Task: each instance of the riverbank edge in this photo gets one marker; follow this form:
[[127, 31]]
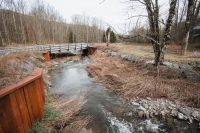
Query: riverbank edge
[[54, 120], [148, 107]]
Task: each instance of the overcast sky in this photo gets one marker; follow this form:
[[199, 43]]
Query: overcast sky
[[110, 11], [113, 12]]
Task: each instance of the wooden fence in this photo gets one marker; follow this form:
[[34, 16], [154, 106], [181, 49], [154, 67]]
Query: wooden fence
[[22, 103]]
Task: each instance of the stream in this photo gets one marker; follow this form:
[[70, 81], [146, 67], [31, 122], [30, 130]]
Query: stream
[[108, 112]]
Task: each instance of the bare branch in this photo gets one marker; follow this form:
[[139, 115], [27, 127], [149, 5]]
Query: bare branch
[[136, 16], [101, 2], [147, 37]]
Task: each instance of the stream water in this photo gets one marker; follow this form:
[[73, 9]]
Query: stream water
[[107, 111]]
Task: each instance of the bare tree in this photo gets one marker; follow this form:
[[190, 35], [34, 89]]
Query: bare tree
[[21, 9], [158, 40], [43, 24], [178, 26], [5, 32], [108, 36], [192, 15]]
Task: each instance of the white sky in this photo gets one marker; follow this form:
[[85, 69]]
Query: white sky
[[110, 11], [113, 12]]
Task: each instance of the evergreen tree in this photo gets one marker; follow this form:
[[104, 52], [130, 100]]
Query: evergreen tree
[[112, 35]]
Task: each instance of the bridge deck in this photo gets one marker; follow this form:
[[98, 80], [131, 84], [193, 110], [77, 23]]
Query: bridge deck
[[52, 48]]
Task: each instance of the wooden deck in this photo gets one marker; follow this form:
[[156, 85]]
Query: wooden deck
[[74, 48]]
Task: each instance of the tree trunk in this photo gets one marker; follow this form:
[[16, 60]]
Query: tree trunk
[[5, 29], [163, 49], [22, 30], [186, 39], [108, 42], [2, 42], [188, 24], [167, 32], [157, 53], [87, 34]]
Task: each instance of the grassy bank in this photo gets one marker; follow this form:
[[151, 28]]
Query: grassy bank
[[137, 80], [173, 52], [61, 114], [50, 114], [16, 67]]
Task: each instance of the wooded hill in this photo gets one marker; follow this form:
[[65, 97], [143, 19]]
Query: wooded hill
[[18, 28]]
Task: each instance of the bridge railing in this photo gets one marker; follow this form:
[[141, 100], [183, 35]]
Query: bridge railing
[[52, 48]]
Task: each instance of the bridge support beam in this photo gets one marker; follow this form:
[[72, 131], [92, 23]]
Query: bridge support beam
[[46, 56], [89, 51]]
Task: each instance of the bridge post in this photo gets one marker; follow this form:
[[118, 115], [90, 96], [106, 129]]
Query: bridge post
[[50, 49], [75, 46], [60, 48]]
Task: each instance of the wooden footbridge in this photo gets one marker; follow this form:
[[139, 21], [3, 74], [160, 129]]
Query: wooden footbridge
[[73, 48]]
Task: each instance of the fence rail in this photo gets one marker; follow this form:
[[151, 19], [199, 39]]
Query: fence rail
[[52, 48]]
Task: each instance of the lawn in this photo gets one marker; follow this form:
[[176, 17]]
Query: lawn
[[173, 52]]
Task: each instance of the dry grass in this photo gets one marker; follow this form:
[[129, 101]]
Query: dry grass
[[173, 53], [67, 119], [15, 67], [137, 80]]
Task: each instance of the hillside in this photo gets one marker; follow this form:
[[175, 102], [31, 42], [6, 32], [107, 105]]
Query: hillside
[[17, 28]]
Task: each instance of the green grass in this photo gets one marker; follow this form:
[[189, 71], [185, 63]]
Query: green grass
[[49, 114]]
